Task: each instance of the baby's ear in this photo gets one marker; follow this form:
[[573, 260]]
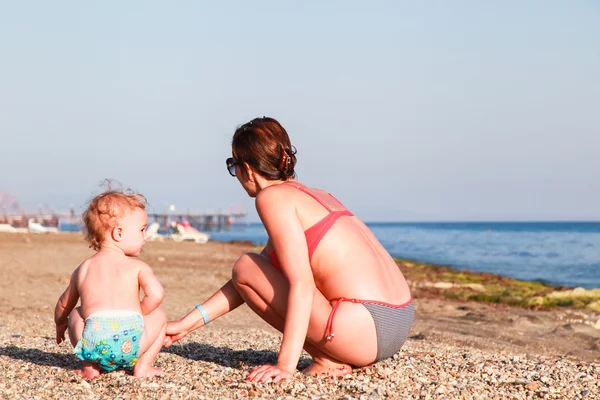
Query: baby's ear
[[117, 234]]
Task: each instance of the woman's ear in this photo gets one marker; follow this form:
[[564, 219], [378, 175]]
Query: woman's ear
[[117, 234], [249, 172]]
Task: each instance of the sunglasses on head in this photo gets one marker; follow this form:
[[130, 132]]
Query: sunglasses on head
[[231, 163]]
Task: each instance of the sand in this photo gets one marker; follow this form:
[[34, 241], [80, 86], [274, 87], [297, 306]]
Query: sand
[[457, 349]]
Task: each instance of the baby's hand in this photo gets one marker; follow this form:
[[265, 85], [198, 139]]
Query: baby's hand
[[60, 332]]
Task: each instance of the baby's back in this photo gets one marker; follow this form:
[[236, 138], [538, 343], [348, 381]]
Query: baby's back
[[109, 282]]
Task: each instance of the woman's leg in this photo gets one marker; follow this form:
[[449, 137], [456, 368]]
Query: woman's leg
[[265, 290]]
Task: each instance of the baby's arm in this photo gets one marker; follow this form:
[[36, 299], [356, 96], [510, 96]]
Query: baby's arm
[[66, 302], [153, 290]]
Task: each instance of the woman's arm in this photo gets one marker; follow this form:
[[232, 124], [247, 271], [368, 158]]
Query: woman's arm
[[224, 300], [278, 214], [267, 249]]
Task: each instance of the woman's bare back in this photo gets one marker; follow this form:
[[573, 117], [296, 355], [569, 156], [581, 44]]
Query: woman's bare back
[[349, 261]]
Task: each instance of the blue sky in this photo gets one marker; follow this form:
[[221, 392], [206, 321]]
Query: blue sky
[[404, 110]]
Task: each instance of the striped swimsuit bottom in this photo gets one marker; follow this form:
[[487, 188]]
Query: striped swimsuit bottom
[[392, 324]]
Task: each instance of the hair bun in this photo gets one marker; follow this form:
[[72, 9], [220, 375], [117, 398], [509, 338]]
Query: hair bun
[[287, 163]]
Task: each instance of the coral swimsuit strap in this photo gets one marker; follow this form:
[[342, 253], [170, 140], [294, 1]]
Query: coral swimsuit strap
[[315, 233]]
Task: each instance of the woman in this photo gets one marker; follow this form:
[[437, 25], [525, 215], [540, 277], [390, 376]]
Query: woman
[[323, 279]]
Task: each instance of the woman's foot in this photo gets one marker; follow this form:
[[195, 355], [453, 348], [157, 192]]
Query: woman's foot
[[147, 372], [323, 366], [89, 371]]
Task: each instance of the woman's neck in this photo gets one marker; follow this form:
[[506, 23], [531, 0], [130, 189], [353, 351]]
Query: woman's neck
[[262, 183]]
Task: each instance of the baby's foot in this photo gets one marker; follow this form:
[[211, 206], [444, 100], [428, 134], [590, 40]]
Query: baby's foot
[[89, 371], [147, 372]]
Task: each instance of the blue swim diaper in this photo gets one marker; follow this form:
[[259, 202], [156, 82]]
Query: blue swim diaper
[[111, 338]]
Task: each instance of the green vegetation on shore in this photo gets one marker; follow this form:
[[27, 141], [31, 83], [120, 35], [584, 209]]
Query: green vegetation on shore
[[434, 280]]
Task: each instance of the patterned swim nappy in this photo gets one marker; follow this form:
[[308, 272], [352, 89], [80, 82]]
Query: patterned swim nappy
[[111, 338]]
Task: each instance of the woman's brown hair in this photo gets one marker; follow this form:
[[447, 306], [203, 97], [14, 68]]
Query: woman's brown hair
[[265, 145]]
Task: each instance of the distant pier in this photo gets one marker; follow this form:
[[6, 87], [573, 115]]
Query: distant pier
[[202, 221]]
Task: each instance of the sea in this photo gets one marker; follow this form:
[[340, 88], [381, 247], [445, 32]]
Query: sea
[[557, 253]]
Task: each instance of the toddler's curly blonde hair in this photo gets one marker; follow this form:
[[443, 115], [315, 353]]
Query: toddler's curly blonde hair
[[104, 212]]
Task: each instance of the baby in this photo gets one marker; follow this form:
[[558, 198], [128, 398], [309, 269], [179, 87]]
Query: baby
[[112, 328]]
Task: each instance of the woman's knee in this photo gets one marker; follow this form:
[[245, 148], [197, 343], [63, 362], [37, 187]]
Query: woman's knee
[[244, 267]]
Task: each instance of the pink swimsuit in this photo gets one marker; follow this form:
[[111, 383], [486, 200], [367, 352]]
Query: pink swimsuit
[[315, 233], [386, 346]]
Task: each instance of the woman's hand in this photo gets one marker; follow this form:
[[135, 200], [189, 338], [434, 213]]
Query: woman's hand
[[176, 330], [274, 373]]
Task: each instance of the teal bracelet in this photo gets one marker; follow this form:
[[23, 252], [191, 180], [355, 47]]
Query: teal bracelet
[[204, 313]]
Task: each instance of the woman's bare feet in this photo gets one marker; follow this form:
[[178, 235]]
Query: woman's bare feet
[[324, 366], [147, 372], [89, 370]]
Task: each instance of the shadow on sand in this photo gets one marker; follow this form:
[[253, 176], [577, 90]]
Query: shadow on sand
[[39, 357], [226, 356], [194, 351]]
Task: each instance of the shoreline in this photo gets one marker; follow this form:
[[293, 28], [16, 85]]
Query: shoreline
[[458, 270], [488, 287], [455, 274], [468, 267]]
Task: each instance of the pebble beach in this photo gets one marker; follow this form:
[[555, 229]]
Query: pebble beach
[[457, 349]]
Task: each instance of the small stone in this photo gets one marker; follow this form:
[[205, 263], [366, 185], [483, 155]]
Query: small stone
[[532, 386]]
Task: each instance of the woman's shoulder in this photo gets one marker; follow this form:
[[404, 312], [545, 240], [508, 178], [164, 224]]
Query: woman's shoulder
[[289, 191], [282, 195], [273, 193]]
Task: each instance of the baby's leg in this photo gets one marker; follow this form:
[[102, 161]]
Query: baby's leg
[[151, 342], [76, 325]]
